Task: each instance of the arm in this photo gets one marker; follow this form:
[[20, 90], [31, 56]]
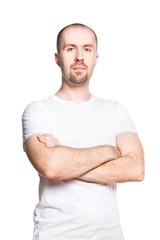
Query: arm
[[62, 162], [129, 167]]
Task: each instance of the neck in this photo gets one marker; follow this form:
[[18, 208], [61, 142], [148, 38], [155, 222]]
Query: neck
[[76, 94]]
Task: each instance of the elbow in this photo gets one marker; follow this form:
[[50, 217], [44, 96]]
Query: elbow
[[56, 174], [140, 177], [50, 168], [138, 169], [49, 173], [140, 174], [52, 172]]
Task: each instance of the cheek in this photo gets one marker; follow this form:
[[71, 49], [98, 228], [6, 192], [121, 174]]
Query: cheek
[[68, 60], [69, 57], [64, 62], [91, 62], [90, 59]]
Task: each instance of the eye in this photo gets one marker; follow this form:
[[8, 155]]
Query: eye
[[70, 49], [87, 50]]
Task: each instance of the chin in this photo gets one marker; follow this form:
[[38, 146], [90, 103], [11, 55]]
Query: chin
[[79, 81]]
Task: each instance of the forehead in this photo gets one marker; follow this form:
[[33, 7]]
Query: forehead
[[78, 36]]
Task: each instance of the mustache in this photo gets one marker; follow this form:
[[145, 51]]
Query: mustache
[[79, 65]]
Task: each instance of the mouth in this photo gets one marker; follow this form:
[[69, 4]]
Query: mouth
[[78, 68]]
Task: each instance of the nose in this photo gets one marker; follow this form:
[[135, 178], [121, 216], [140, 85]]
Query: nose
[[79, 56]]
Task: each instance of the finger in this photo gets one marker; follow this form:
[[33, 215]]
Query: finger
[[48, 136], [49, 145], [47, 140], [51, 136]]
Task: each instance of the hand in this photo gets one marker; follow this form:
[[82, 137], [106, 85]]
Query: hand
[[48, 140]]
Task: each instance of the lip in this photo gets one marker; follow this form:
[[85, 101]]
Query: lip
[[79, 68]]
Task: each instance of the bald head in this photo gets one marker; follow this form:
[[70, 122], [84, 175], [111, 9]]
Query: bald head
[[74, 25]]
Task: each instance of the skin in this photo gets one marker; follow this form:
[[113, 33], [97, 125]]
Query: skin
[[78, 50], [124, 168], [77, 60], [102, 164]]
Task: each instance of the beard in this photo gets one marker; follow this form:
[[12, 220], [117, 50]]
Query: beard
[[76, 77]]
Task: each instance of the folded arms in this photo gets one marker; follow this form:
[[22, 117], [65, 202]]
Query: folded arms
[[101, 164]]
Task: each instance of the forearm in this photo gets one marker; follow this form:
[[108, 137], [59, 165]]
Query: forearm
[[55, 161], [104, 164], [123, 169], [66, 163]]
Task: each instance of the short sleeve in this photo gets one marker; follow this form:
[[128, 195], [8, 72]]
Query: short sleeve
[[35, 119], [124, 122]]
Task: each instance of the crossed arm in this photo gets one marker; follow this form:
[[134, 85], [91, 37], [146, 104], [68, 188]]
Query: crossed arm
[[101, 164]]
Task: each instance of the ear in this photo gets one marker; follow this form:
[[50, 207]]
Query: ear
[[57, 58], [96, 58]]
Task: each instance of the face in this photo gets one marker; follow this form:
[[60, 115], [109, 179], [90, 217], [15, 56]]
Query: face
[[78, 56]]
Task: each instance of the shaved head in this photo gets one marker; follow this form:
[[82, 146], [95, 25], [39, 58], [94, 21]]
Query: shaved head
[[74, 25]]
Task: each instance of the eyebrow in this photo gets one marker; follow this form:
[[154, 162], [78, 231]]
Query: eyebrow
[[73, 45]]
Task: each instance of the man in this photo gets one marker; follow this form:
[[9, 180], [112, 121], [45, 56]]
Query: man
[[81, 147]]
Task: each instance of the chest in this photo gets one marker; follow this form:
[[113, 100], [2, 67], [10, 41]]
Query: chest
[[83, 128]]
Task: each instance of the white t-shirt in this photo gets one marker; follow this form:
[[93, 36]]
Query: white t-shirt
[[76, 209]]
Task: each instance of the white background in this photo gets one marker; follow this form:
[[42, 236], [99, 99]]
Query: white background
[[128, 71]]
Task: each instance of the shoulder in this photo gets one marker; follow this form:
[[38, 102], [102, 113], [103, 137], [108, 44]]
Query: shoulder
[[121, 120], [117, 112], [35, 119], [37, 106], [113, 106]]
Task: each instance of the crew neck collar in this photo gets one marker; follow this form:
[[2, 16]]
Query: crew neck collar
[[58, 99]]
